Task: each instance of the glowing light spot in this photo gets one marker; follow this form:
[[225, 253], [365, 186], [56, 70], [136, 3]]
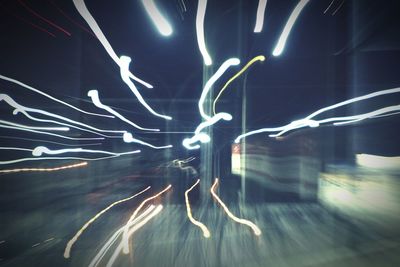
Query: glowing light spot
[[125, 236], [378, 162], [45, 169], [94, 95], [254, 227], [67, 252], [124, 64], [158, 19], [251, 62], [260, 15], [201, 12], [206, 232], [280, 46], [50, 97], [128, 138], [84, 12]]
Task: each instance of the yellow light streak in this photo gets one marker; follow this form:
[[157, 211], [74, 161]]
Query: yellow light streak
[[206, 232], [251, 62], [45, 169], [67, 252], [125, 236], [254, 227]]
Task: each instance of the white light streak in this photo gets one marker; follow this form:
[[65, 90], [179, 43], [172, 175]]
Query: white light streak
[[124, 64], [280, 46], [84, 12], [310, 122], [45, 169], [260, 15], [46, 141], [50, 97], [53, 158], [254, 227], [67, 252], [206, 232], [60, 129], [201, 12], [40, 150], [128, 138], [94, 96], [163, 26]]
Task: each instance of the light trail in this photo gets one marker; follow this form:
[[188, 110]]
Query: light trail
[[99, 256], [254, 227], [310, 122], [251, 62], [51, 134], [50, 97], [25, 111], [201, 12], [326, 10], [135, 227], [207, 87], [337, 9], [161, 23], [94, 96], [60, 129], [77, 165], [67, 251], [206, 232], [15, 148], [125, 235], [260, 15], [84, 12], [124, 71], [128, 138], [46, 141], [280, 46], [40, 150]]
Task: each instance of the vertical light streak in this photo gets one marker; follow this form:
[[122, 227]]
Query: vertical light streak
[[280, 46], [128, 138], [124, 71], [254, 227], [94, 96], [201, 12], [45, 169], [161, 23], [135, 227], [125, 236], [50, 97], [84, 12], [67, 251], [211, 81], [251, 62], [206, 232], [40, 150], [99, 256], [260, 15]]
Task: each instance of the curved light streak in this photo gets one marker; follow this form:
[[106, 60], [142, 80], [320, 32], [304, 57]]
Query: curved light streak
[[251, 62], [99, 256], [280, 46], [134, 228], [61, 129], [94, 96], [201, 12], [125, 235], [25, 111], [50, 97], [71, 242], [254, 227], [211, 81], [260, 15], [161, 23], [206, 232], [84, 12], [40, 150], [51, 134], [124, 71], [310, 122], [128, 138], [45, 169]]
